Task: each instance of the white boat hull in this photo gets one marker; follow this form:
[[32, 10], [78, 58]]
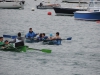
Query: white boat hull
[[74, 1], [48, 6], [11, 5]]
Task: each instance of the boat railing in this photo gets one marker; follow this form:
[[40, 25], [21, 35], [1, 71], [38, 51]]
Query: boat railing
[[94, 6], [95, 9]]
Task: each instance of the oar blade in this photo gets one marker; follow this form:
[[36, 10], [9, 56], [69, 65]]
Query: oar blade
[[46, 50], [69, 38], [7, 36], [13, 37]]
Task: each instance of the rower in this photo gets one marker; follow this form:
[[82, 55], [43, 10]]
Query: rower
[[44, 37], [56, 39], [19, 41], [39, 38], [1, 41], [31, 34], [7, 45]]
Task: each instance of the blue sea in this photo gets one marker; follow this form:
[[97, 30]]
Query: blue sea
[[79, 56]]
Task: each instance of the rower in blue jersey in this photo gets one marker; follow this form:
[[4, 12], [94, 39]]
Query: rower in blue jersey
[[31, 34], [44, 37], [39, 38]]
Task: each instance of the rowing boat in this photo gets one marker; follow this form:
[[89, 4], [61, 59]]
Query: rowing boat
[[17, 49], [45, 42], [52, 42], [31, 40], [24, 49]]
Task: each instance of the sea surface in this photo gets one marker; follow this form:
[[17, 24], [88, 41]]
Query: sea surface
[[79, 56]]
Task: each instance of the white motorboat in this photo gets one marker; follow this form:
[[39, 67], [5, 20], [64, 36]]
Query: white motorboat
[[93, 12], [75, 1], [11, 4]]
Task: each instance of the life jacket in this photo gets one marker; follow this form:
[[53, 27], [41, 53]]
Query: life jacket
[[19, 43]]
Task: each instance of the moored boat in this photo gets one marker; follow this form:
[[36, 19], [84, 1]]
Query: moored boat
[[74, 1], [47, 6], [60, 11], [7, 4], [93, 12]]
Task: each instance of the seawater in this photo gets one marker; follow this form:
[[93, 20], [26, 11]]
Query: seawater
[[79, 56]]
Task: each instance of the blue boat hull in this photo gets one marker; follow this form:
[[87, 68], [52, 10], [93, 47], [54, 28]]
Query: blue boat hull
[[31, 40], [85, 15], [52, 42], [45, 42]]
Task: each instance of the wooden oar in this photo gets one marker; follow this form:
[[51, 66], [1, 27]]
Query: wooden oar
[[9, 36], [43, 50]]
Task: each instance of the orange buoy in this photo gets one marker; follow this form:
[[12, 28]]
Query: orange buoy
[[49, 13]]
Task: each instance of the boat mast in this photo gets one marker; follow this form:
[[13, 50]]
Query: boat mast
[[79, 3]]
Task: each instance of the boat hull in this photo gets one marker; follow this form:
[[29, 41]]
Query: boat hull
[[28, 40], [48, 6], [18, 49], [86, 15], [52, 42], [12, 4], [75, 1], [66, 11]]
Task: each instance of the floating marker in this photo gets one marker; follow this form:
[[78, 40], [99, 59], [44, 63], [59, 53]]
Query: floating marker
[[49, 13], [33, 9]]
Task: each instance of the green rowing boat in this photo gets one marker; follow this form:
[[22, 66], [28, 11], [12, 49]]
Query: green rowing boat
[[24, 49], [17, 49]]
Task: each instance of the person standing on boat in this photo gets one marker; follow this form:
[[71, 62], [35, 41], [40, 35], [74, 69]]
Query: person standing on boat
[[31, 34], [1, 41], [19, 41], [41, 4]]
